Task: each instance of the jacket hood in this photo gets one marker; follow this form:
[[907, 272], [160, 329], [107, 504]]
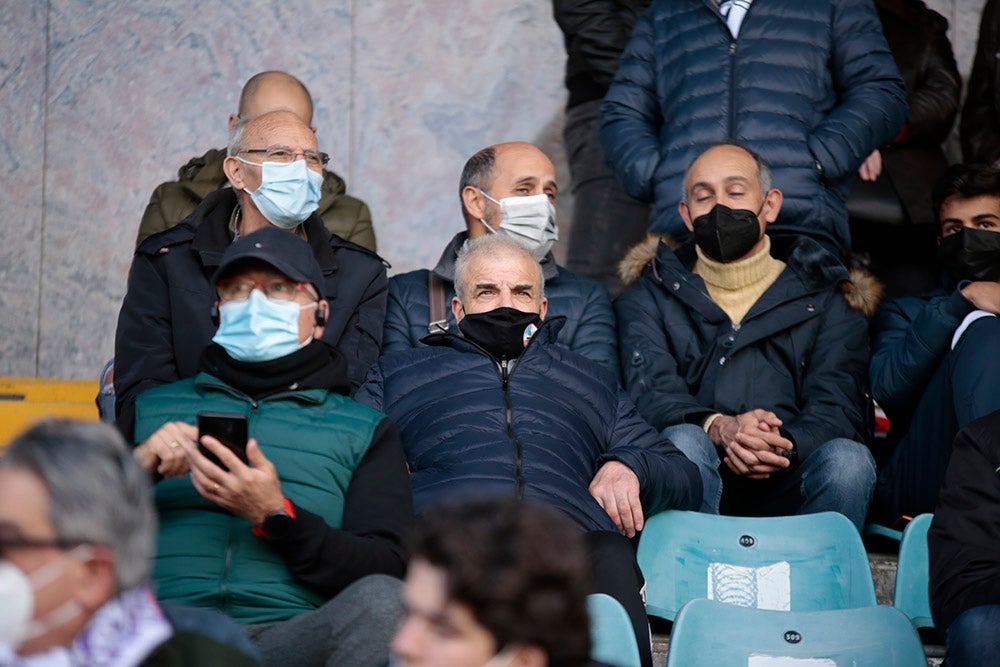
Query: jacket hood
[[860, 289]]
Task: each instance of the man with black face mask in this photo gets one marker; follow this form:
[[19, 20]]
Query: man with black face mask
[[749, 354], [502, 410], [935, 362], [507, 189]]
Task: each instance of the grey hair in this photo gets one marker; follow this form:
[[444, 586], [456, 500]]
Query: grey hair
[[492, 245], [98, 494], [236, 137], [764, 177]]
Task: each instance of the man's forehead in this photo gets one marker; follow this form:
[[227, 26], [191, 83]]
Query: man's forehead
[[956, 207], [522, 162], [280, 129], [722, 164], [499, 270], [24, 502]]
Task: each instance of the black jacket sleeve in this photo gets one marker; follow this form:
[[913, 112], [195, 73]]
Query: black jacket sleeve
[[378, 511], [980, 126], [964, 538], [667, 479]]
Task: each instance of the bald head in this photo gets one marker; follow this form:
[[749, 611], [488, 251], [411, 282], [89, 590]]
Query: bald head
[[512, 169], [273, 91]]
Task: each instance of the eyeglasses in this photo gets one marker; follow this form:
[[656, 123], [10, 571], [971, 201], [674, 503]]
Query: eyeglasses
[[284, 155], [235, 289], [11, 538]]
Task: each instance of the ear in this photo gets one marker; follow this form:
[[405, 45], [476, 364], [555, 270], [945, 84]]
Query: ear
[[772, 205], [543, 308], [233, 169], [682, 208], [457, 309], [96, 583], [233, 119], [474, 201]]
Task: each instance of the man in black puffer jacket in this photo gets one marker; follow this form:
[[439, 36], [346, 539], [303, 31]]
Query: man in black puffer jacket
[[503, 411]]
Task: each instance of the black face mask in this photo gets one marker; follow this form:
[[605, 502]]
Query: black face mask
[[971, 254], [503, 332], [726, 234]]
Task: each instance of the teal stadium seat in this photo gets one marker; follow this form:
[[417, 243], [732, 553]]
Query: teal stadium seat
[[612, 639], [798, 563], [912, 596], [710, 634]]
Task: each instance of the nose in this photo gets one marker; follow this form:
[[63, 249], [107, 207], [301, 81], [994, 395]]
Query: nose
[[506, 299]]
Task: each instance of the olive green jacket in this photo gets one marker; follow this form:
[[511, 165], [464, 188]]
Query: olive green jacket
[[171, 202]]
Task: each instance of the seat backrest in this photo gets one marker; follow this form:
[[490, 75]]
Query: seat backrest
[[710, 633], [798, 563], [612, 638], [912, 596]]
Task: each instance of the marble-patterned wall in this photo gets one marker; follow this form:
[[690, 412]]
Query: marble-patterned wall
[[100, 101]]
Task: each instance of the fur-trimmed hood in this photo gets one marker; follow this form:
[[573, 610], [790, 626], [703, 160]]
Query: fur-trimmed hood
[[862, 291]]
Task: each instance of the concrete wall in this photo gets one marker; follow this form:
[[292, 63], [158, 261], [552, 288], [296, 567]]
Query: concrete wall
[[101, 101]]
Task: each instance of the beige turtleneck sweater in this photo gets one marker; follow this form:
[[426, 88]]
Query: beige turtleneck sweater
[[736, 286]]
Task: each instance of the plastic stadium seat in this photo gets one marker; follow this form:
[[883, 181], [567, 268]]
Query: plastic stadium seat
[[710, 634], [612, 639], [798, 563], [913, 575]]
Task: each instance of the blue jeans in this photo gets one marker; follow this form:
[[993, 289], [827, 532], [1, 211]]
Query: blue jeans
[[838, 477], [974, 638]]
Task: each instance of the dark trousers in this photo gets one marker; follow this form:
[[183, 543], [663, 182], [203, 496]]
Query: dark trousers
[[965, 387], [606, 221], [616, 573]]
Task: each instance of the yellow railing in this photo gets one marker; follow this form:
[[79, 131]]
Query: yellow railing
[[24, 401]]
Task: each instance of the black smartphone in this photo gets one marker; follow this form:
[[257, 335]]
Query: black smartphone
[[229, 429]]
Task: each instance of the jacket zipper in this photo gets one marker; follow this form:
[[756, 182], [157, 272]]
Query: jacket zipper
[[732, 90], [227, 574], [518, 467]]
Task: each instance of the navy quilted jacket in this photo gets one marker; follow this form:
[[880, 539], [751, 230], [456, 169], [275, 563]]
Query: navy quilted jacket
[[809, 84], [541, 433]]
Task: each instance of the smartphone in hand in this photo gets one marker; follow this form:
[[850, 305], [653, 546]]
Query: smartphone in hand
[[228, 428]]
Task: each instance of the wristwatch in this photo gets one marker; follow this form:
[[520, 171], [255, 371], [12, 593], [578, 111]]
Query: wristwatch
[[277, 525]]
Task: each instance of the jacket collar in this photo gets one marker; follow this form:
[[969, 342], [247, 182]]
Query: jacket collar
[[211, 231], [545, 336], [445, 268]]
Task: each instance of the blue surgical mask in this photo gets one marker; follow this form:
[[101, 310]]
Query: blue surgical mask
[[258, 328], [288, 193]]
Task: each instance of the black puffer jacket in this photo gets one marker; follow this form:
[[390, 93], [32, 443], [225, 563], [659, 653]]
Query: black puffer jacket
[[963, 539], [801, 351], [539, 431], [919, 42], [165, 321], [980, 127], [595, 34]]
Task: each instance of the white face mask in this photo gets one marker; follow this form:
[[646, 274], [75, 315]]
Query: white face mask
[[530, 220], [17, 590]]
